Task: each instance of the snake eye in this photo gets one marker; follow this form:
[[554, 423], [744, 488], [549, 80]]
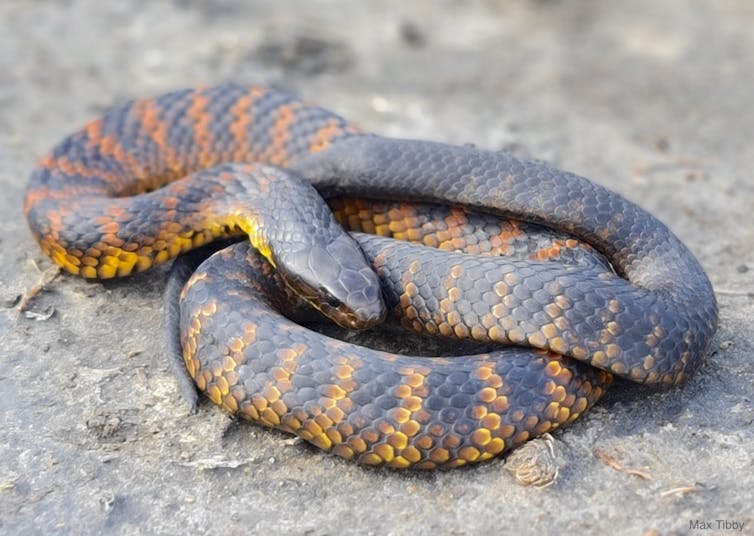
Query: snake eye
[[329, 299], [334, 302]]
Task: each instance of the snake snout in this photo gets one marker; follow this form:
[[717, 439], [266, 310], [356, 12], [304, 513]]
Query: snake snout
[[364, 306], [337, 280], [353, 288]]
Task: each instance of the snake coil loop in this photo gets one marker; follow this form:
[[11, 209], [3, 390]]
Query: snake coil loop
[[157, 177]]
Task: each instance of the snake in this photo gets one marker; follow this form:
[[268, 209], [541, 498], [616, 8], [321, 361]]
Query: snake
[[157, 177]]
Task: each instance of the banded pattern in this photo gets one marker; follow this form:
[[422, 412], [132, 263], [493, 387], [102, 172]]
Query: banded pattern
[[157, 177], [78, 199], [374, 407]]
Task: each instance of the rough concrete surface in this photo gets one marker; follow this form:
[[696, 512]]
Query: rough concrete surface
[[650, 98]]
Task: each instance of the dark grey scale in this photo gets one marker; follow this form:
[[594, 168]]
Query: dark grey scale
[[114, 124], [218, 109], [309, 120], [68, 144], [72, 148], [75, 150], [128, 130], [174, 109], [264, 116], [42, 178], [115, 121]]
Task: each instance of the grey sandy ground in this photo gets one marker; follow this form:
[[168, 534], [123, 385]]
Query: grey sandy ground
[[653, 101]]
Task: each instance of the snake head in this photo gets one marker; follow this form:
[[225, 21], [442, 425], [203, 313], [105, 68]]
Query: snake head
[[336, 279]]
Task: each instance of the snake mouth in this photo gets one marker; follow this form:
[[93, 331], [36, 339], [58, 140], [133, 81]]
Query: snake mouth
[[360, 308], [346, 318]]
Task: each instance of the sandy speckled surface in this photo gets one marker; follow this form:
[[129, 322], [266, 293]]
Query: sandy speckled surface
[[652, 100]]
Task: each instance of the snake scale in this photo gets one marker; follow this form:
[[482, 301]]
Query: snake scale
[[157, 177]]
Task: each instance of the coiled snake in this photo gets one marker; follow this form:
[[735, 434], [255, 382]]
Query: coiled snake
[[157, 177]]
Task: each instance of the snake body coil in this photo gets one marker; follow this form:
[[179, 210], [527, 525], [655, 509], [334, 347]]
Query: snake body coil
[[108, 201]]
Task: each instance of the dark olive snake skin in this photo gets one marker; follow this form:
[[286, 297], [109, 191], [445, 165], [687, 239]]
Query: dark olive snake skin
[[652, 322]]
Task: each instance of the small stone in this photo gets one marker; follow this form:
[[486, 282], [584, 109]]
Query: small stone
[[534, 464]]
